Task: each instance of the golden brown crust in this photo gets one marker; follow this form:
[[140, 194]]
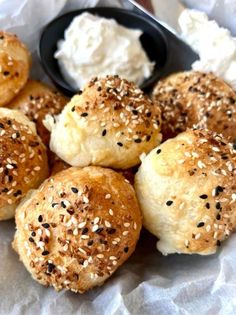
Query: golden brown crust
[[186, 189], [195, 98], [15, 63], [110, 124], [56, 164], [78, 228], [23, 161], [36, 100]]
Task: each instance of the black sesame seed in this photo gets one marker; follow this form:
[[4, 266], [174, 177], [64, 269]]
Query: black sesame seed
[[79, 92], [234, 146], [6, 73], [31, 239], [17, 193], [218, 190], [218, 216], [45, 253], [46, 225], [70, 211], [207, 205], [111, 231], [63, 204], [99, 230], [158, 151], [1, 126], [148, 137], [74, 190], [149, 114], [5, 190], [85, 230], [90, 243], [84, 114], [218, 205], [200, 224], [138, 140], [126, 249], [120, 144], [73, 109], [33, 234], [218, 243], [54, 204], [104, 132], [135, 112], [51, 267], [40, 218], [99, 88], [169, 202], [203, 196]]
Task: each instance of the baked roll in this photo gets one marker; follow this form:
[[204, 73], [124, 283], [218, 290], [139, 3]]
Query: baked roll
[[196, 99], [23, 160], [36, 100], [109, 124], [187, 192], [78, 228], [15, 64]]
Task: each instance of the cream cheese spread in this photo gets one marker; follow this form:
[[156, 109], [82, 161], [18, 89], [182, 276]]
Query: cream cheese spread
[[214, 44], [95, 46]]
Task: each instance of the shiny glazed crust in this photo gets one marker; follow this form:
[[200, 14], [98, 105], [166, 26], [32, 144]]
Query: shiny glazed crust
[[78, 228], [186, 190], [15, 63], [23, 160], [110, 124], [196, 99], [36, 100]]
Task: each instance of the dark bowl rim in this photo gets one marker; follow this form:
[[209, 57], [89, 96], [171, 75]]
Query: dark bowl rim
[[147, 84]]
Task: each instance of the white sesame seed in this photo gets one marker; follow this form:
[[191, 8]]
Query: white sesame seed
[[111, 212], [107, 224], [125, 233], [96, 220], [215, 235], [65, 247], [84, 237], [85, 264], [94, 228], [208, 228], [107, 196], [100, 256], [81, 225], [75, 232], [126, 224], [186, 242], [135, 225], [112, 258], [197, 236], [82, 251]]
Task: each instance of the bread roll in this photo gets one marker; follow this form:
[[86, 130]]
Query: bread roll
[[196, 99], [36, 100], [15, 63], [78, 228], [186, 189], [110, 124], [23, 160]]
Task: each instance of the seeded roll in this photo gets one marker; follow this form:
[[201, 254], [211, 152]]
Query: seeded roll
[[109, 124], [15, 63], [78, 228], [196, 99], [36, 100], [187, 192], [23, 160]]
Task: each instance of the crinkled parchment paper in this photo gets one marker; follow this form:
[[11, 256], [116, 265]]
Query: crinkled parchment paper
[[148, 283]]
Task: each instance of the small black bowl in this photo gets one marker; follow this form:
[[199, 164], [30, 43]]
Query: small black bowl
[[153, 41]]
